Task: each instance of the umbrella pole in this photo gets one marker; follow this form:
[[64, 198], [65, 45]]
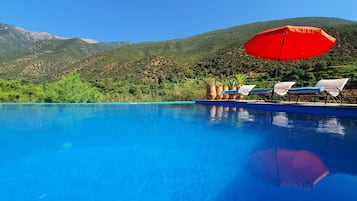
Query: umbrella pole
[[275, 80], [276, 72], [277, 65]]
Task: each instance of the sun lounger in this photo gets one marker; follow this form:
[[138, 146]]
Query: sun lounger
[[329, 87], [280, 88], [243, 90], [331, 126], [281, 119]]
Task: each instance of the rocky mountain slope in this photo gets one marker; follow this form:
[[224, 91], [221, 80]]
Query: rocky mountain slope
[[218, 53], [13, 38], [39, 56]]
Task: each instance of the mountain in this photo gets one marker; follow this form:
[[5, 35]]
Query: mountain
[[218, 53], [13, 38], [41, 61], [38, 56]]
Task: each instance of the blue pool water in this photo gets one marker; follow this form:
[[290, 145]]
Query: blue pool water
[[180, 152]]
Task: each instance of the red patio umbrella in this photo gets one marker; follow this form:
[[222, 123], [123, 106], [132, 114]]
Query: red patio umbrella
[[286, 167], [289, 43]]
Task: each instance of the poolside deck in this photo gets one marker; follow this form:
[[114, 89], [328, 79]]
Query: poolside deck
[[315, 108]]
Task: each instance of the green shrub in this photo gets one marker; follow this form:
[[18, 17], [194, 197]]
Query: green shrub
[[70, 89]]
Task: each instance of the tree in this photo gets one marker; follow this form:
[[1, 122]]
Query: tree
[[71, 89]]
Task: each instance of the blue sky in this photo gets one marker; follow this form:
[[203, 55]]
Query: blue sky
[[157, 20]]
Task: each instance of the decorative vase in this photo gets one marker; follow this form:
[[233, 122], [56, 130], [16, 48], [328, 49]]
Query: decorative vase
[[232, 96], [219, 94], [211, 92], [239, 96], [225, 96]]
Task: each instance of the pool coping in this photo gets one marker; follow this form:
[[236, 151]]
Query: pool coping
[[314, 108], [329, 109]]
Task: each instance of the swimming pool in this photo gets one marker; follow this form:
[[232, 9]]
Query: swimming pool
[[173, 152]]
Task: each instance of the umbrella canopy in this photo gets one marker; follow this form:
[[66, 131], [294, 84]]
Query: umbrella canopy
[[289, 43], [285, 167]]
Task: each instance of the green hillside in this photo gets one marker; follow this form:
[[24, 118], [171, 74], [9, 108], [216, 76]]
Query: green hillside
[[232, 60], [219, 54], [177, 69], [13, 38], [42, 61]]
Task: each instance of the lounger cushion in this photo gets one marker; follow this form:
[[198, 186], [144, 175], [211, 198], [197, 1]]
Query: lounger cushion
[[280, 88], [233, 92], [261, 91], [306, 90]]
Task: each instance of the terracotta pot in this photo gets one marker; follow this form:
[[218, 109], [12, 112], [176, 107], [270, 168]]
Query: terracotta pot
[[211, 92], [232, 96], [219, 94], [225, 96], [240, 97]]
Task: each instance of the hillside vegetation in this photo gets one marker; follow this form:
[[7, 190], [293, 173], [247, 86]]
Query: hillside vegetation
[[42, 61], [178, 69]]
